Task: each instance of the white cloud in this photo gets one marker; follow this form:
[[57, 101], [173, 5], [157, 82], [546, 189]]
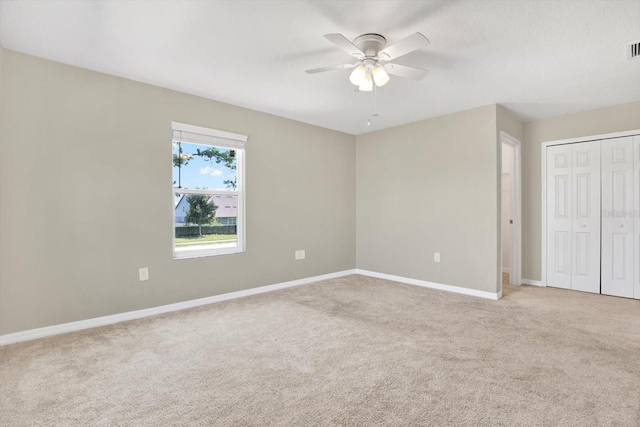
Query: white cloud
[[210, 171]]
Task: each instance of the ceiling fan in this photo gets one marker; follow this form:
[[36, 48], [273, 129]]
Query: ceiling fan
[[373, 55]]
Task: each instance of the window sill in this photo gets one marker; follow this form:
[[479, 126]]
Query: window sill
[[201, 252]]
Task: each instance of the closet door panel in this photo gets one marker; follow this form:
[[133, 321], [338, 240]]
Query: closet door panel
[[617, 217], [585, 233], [636, 217], [559, 216]]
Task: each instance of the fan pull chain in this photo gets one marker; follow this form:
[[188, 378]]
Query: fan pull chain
[[375, 104]]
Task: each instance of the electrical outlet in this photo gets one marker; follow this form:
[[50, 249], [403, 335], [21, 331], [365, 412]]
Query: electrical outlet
[[300, 254], [436, 257], [143, 273]]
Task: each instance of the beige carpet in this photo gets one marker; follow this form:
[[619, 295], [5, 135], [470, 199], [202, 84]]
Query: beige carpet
[[353, 351]]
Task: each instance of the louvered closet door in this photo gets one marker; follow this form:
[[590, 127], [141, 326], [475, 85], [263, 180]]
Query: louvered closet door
[[585, 234], [617, 217], [636, 216], [559, 200]]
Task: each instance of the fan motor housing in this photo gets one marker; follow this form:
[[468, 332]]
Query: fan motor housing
[[370, 44]]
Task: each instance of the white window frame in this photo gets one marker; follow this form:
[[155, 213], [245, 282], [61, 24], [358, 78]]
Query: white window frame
[[222, 139]]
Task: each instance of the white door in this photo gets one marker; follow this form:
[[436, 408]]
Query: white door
[[559, 216], [585, 235], [617, 217], [636, 216]]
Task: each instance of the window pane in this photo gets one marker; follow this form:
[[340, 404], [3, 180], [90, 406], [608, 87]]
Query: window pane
[[204, 221], [203, 167]]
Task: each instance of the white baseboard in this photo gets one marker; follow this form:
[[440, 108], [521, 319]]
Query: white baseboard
[[138, 314], [431, 285], [532, 282]]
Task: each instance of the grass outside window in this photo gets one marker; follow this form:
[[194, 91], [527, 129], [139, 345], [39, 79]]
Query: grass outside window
[[206, 239]]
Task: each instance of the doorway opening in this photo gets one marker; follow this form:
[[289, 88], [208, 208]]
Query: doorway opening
[[510, 210]]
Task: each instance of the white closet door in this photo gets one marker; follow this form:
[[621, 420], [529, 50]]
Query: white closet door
[[585, 235], [617, 217], [636, 216], [559, 216]]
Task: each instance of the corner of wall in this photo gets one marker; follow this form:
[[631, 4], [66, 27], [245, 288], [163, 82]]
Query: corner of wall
[[511, 125], [1, 71]]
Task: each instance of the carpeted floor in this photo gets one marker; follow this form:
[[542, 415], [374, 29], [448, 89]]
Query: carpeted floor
[[352, 351]]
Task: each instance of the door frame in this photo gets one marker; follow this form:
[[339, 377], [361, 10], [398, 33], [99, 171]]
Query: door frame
[[543, 189], [515, 273]]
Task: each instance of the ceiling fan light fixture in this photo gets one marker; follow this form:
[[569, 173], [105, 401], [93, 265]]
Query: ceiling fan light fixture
[[358, 75], [369, 49], [380, 76], [367, 84]]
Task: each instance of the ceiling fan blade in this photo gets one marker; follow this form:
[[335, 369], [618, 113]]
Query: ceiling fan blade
[[414, 42], [406, 71], [330, 68], [343, 43]]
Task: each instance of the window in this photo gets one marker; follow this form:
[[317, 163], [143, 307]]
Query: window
[[208, 191]]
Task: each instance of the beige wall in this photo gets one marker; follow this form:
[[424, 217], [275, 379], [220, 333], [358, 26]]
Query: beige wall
[[428, 187], [595, 122], [85, 197]]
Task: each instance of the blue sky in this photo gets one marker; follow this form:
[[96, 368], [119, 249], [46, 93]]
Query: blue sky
[[201, 173]]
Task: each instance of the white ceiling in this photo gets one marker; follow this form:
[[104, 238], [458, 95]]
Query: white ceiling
[[537, 58]]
